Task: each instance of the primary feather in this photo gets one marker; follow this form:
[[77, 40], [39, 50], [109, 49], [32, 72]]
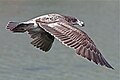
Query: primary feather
[[45, 28]]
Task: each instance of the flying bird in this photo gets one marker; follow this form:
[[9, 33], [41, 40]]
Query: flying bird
[[44, 29]]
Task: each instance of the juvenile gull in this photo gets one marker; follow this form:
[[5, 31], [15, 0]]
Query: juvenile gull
[[45, 28]]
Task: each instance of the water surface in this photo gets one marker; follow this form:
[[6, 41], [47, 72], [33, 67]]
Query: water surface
[[19, 60]]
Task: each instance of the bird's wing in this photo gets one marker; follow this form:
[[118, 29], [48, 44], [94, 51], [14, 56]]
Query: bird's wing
[[41, 38], [76, 39]]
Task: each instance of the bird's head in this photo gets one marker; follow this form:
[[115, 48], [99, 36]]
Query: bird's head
[[74, 21]]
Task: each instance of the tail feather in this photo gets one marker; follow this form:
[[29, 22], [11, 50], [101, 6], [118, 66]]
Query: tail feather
[[17, 27], [12, 25]]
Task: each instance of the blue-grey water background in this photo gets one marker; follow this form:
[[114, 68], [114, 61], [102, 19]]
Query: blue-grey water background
[[19, 60]]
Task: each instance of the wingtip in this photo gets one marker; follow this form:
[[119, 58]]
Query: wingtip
[[111, 67], [107, 64]]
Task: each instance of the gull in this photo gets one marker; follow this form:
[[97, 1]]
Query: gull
[[45, 28]]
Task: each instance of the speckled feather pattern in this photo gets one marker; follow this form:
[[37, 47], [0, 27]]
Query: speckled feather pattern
[[45, 28]]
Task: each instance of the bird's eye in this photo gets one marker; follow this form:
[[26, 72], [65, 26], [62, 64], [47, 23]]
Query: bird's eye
[[74, 20]]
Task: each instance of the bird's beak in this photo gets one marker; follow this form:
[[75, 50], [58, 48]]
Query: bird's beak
[[81, 23]]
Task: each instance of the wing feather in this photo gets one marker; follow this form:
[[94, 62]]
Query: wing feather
[[41, 38], [76, 39]]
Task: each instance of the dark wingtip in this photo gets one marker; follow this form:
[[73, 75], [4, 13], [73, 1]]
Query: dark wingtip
[[109, 66], [112, 68], [106, 63]]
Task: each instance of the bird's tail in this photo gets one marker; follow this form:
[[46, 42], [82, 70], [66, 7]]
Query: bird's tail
[[17, 27]]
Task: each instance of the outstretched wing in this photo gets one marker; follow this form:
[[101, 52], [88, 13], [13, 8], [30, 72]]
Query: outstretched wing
[[42, 39], [76, 39]]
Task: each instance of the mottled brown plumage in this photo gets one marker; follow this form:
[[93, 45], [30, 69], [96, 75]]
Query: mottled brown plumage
[[45, 28]]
